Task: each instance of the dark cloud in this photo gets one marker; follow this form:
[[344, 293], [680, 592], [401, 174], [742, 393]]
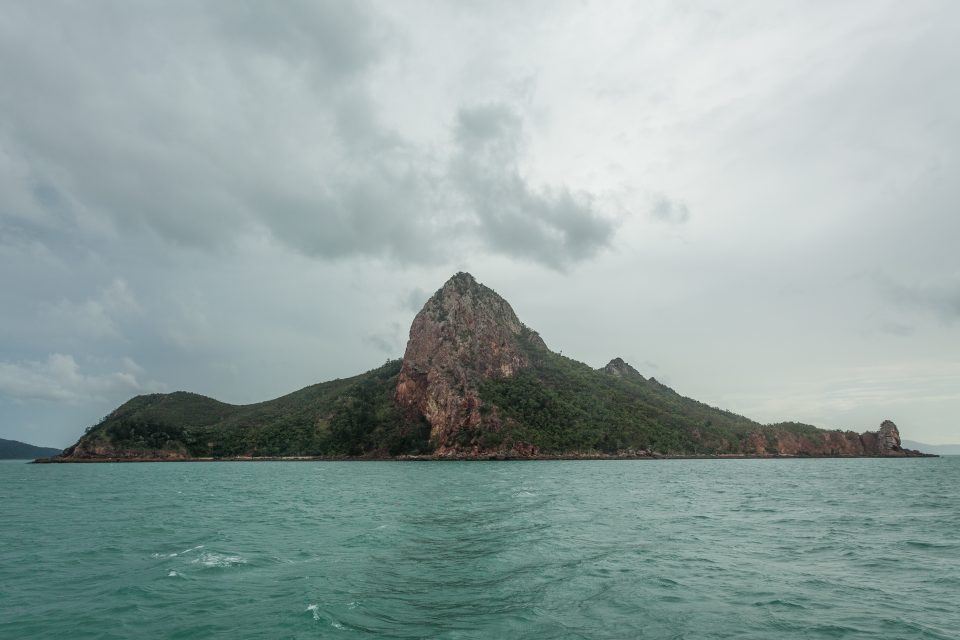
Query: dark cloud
[[414, 299], [552, 225], [207, 123], [385, 343], [336, 39], [670, 211], [941, 298]]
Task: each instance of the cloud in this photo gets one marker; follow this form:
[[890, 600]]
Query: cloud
[[551, 225], [384, 343], [414, 299], [877, 387], [59, 379], [97, 316], [202, 125], [897, 328], [670, 211], [210, 123], [387, 342], [941, 297], [336, 39]]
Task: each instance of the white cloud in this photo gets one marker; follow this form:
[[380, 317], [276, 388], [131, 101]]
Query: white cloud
[[59, 379]]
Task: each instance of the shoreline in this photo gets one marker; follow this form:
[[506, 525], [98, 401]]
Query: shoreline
[[474, 458]]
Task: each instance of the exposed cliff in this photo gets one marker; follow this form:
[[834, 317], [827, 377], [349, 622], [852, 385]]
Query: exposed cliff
[[781, 440], [619, 367], [464, 334], [473, 382]]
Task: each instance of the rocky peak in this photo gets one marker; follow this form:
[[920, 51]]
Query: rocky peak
[[464, 334], [885, 441], [619, 367], [888, 437]]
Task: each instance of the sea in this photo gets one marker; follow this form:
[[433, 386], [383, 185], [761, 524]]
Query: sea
[[765, 549]]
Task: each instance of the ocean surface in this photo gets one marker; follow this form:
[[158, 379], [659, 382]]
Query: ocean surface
[[810, 548]]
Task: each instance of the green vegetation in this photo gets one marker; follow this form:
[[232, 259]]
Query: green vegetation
[[561, 405], [558, 405], [554, 405], [353, 416]]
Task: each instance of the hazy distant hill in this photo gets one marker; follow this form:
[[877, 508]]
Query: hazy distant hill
[[939, 449], [14, 450], [474, 382]]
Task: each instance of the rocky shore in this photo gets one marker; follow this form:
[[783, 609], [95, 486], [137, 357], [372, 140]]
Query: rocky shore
[[474, 383], [482, 457]]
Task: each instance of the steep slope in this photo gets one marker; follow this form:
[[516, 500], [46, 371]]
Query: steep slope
[[349, 417], [560, 405], [473, 382], [489, 385], [465, 334], [16, 450]]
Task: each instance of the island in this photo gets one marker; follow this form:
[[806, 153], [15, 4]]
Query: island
[[473, 383]]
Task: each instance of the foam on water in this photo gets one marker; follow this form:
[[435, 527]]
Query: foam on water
[[175, 554], [218, 560]]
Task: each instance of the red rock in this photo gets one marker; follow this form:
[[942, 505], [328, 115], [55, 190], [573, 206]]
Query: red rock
[[464, 334]]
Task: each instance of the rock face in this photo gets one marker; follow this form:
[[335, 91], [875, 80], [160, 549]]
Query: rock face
[[883, 442], [464, 334], [619, 367], [466, 340], [888, 437], [84, 450]]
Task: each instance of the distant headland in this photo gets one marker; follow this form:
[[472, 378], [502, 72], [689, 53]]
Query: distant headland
[[474, 383], [16, 450]]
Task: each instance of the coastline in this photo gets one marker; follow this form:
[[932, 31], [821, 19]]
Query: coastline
[[472, 458]]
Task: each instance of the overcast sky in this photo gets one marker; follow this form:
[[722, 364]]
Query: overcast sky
[[757, 203]]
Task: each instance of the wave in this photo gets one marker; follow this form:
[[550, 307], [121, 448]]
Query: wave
[[219, 560], [177, 553]]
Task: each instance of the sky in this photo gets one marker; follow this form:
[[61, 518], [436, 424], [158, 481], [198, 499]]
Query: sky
[[755, 202]]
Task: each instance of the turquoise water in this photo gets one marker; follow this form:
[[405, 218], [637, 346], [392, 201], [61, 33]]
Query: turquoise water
[[765, 549]]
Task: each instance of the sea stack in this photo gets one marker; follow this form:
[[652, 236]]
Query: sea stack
[[885, 442]]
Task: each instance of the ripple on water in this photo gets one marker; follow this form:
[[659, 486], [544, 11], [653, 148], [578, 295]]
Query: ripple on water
[[539, 550]]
